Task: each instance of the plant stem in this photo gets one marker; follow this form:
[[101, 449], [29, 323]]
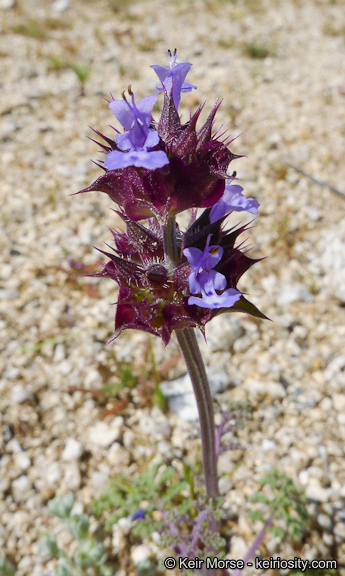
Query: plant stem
[[170, 242], [191, 353], [196, 368]]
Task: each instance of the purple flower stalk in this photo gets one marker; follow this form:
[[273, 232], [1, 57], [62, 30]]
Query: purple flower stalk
[[168, 279], [171, 279]]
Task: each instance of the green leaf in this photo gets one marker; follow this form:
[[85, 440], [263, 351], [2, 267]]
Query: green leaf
[[48, 546], [61, 570], [6, 569], [61, 506], [78, 526], [243, 305]]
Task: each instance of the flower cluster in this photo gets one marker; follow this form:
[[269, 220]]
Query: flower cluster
[[153, 170]]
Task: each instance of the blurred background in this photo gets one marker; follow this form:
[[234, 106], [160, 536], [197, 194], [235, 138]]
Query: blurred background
[[74, 411]]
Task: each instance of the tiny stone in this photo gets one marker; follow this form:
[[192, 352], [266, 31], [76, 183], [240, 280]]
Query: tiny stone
[[7, 4], [328, 539], [19, 394], [103, 434], [53, 473], [13, 446], [72, 451], [4, 485], [60, 5], [99, 481], [20, 488], [140, 554], [324, 521], [268, 445], [72, 478], [294, 293], [118, 456], [22, 460], [224, 485], [314, 492]]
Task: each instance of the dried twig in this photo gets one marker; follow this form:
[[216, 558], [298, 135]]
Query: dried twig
[[316, 180]]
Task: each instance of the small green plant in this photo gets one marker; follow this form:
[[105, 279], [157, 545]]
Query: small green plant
[[154, 489], [30, 28], [82, 72], [255, 50], [287, 505], [89, 557], [6, 569]]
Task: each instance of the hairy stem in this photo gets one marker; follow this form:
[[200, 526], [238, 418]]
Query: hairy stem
[[191, 353], [170, 242], [195, 365]]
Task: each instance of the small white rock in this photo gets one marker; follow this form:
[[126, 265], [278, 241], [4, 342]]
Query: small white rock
[[99, 481], [224, 485], [118, 456], [314, 492], [140, 554], [268, 445], [103, 434], [22, 460], [20, 488], [13, 446], [72, 451], [72, 477], [60, 5], [294, 293], [7, 4], [53, 473], [19, 394], [324, 521]]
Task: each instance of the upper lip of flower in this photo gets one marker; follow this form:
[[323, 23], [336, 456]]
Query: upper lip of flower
[[135, 146], [173, 78], [206, 281]]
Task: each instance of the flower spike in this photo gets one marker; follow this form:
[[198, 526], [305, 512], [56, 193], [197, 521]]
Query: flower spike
[[154, 169]]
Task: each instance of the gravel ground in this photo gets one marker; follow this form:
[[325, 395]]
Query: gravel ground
[[279, 68]]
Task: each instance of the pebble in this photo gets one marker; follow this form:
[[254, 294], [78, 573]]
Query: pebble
[[224, 485], [140, 554], [229, 327], [103, 434], [20, 488], [60, 5], [259, 390], [19, 394], [314, 492], [7, 4], [52, 473], [324, 521], [72, 477], [268, 445], [72, 451], [294, 293], [117, 456], [22, 460], [180, 395]]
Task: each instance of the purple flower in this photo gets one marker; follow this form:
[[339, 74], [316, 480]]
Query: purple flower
[[173, 78], [233, 199], [135, 145], [138, 515], [205, 280]]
